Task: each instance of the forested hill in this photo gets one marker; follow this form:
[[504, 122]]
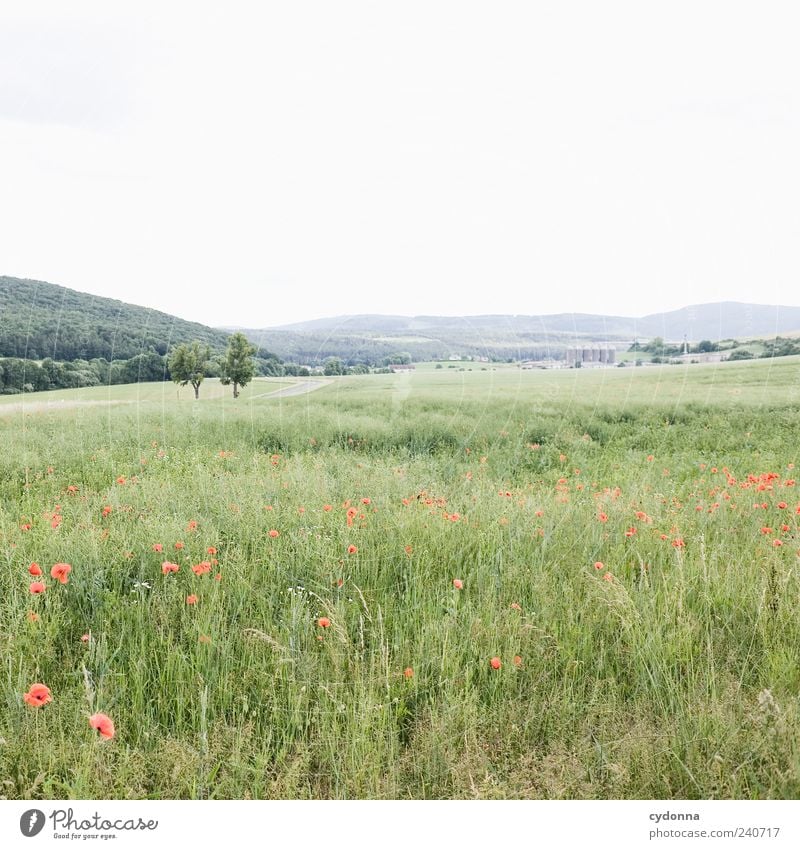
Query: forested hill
[[39, 320]]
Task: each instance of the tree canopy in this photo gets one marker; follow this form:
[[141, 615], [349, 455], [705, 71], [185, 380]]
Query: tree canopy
[[189, 364], [237, 367]]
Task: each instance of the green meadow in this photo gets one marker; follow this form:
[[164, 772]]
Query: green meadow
[[623, 622]]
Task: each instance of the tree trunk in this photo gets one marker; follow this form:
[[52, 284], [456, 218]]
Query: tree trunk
[[235, 389]]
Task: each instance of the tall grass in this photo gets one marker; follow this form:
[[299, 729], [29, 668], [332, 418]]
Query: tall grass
[[677, 678]]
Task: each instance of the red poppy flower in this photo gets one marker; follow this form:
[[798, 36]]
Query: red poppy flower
[[168, 567], [458, 583], [495, 663], [158, 547], [202, 568], [178, 545], [324, 622], [599, 565], [35, 570], [37, 695], [102, 724], [517, 660], [408, 672], [61, 572], [351, 549], [191, 599], [85, 638], [273, 533], [37, 587]]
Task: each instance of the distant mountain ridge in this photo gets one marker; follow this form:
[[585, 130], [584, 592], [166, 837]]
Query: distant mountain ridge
[[715, 321], [369, 337]]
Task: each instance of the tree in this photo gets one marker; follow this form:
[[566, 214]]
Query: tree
[[188, 363], [238, 367], [705, 346], [333, 367]]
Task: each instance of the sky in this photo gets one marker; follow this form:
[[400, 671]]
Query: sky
[[255, 164]]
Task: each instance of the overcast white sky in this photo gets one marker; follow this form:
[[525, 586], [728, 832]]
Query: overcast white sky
[[261, 163]]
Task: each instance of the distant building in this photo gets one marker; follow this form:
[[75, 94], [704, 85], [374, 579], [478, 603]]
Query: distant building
[[590, 357], [531, 364]]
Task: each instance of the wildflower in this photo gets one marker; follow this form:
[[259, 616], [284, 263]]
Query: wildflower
[[776, 543], [630, 532], [517, 660], [33, 616], [608, 576], [85, 638], [602, 516], [781, 505], [158, 547], [408, 672], [203, 638], [106, 511], [34, 570], [211, 550], [192, 526], [324, 622], [678, 543], [121, 479], [61, 572], [178, 545], [495, 663], [515, 606], [599, 565], [201, 568], [168, 567], [351, 549], [458, 583], [37, 587], [37, 695], [102, 724], [327, 507], [274, 534], [191, 599]]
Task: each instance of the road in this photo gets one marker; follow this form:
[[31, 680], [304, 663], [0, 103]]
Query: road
[[297, 389]]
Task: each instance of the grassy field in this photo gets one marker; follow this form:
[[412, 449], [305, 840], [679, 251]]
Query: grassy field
[[620, 544]]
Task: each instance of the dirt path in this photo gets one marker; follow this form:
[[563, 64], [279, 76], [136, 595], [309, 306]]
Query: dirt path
[[297, 389]]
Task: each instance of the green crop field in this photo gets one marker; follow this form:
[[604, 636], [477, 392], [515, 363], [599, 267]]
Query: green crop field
[[492, 583]]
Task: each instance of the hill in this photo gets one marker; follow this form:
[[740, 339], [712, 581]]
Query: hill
[[39, 320], [368, 338]]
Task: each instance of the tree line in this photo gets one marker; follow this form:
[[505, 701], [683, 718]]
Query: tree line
[[19, 375]]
